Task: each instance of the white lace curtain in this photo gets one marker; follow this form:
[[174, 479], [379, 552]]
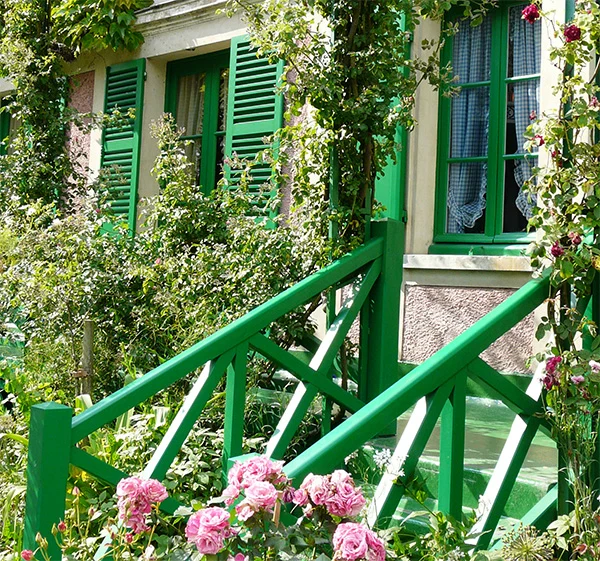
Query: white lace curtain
[[467, 184]]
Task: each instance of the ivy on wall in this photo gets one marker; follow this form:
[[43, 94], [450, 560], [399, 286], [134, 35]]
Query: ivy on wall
[[36, 38]]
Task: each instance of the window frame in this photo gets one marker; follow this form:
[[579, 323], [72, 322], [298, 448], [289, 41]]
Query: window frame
[[495, 157], [211, 64], [5, 124]]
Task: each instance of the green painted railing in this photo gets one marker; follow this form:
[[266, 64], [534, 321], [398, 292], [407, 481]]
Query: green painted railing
[[374, 275], [438, 387]]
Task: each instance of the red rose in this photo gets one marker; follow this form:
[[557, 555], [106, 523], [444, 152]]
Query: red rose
[[530, 13], [572, 33]]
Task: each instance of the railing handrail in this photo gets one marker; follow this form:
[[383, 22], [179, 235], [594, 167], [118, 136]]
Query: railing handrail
[[420, 382], [223, 340]]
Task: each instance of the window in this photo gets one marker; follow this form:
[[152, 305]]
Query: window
[[482, 165], [8, 128], [226, 101], [197, 97]]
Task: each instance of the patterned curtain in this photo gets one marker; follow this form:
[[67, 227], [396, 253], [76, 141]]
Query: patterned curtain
[[470, 124], [526, 57], [190, 113]]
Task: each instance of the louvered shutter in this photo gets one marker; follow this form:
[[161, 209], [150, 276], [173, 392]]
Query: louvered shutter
[[254, 110], [121, 144]]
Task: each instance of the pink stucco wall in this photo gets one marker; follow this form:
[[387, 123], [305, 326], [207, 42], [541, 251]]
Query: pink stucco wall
[[434, 316], [82, 99]]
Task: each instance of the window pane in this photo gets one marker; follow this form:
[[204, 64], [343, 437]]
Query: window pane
[[470, 123], [190, 103], [471, 52], [523, 105], [466, 198], [518, 204], [193, 152], [223, 93], [524, 45]]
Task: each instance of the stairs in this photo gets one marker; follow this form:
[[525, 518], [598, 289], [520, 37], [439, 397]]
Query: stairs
[[487, 425]]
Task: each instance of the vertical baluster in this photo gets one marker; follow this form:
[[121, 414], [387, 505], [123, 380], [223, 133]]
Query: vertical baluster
[[452, 450], [235, 402]]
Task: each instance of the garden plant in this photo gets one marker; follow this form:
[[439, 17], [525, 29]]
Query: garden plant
[[199, 263]]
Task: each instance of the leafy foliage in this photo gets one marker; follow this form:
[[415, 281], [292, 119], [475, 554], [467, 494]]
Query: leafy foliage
[[36, 37], [93, 26], [198, 264], [349, 72]]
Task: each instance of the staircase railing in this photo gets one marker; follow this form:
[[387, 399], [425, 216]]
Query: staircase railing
[[438, 387], [374, 276]]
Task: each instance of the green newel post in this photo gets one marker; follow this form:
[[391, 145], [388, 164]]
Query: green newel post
[[384, 315], [47, 473]]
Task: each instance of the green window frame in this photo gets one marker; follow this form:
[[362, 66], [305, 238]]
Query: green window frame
[[495, 161], [5, 131], [211, 66]]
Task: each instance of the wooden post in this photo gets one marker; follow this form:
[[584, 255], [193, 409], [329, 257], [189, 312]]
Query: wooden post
[[86, 373], [47, 473], [384, 316]]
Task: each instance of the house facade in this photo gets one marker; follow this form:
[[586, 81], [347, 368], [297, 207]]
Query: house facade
[[458, 184]]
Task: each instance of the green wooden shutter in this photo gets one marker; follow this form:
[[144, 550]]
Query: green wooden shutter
[[121, 144], [254, 110]]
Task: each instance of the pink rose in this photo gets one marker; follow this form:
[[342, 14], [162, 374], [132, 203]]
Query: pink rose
[[340, 476], [207, 529], [27, 555], [260, 468], [137, 522], [231, 493], [346, 501], [235, 475], [572, 33], [595, 366], [577, 380], [376, 547], [154, 491], [213, 519], [318, 488], [209, 543], [350, 541], [244, 511], [300, 497], [261, 494], [129, 487]]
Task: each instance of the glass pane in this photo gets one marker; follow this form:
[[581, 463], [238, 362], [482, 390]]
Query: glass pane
[[471, 52], [470, 123], [518, 204], [193, 152], [223, 92], [190, 103], [467, 185], [524, 45], [523, 105]]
